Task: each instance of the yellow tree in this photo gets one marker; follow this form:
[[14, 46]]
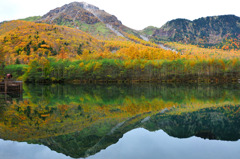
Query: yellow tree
[[62, 54], [1, 61]]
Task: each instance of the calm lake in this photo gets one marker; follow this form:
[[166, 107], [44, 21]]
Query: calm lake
[[143, 121]]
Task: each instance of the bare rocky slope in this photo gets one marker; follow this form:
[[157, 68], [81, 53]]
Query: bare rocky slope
[[88, 18]]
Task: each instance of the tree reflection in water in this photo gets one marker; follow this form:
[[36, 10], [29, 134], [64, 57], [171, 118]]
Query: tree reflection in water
[[81, 120]]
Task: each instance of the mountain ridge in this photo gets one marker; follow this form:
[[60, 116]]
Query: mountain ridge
[[205, 30]]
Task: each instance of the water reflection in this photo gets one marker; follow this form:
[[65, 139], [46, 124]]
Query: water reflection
[[138, 143], [82, 120], [210, 123], [23, 150], [142, 144]]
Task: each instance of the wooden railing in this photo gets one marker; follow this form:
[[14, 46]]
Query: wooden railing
[[10, 86]]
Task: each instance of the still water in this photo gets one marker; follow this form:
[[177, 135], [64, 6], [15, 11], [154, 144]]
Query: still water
[[121, 122]]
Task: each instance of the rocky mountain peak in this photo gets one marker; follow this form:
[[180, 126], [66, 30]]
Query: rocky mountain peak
[[87, 18], [79, 11], [69, 13]]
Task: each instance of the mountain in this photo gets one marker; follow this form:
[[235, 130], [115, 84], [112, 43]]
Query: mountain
[[208, 30], [90, 19], [102, 25]]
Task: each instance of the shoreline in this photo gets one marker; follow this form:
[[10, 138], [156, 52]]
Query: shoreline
[[137, 81]]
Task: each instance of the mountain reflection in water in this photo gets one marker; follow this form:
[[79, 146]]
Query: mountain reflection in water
[[82, 120]]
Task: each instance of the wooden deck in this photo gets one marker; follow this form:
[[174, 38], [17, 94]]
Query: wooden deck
[[10, 86]]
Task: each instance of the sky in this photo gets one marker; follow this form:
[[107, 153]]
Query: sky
[[136, 14]]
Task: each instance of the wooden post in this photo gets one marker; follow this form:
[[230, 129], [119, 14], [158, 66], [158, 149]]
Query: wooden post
[[5, 95], [6, 85], [21, 87]]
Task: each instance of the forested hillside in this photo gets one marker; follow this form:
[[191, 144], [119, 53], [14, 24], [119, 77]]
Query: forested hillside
[[25, 41], [206, 31]]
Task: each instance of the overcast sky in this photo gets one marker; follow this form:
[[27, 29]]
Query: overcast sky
[[136, 14]]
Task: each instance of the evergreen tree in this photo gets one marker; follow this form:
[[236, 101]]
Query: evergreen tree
[[17, 61], [79, 50]]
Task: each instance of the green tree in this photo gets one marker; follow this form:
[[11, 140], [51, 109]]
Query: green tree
[[79, 50], [17, 61]]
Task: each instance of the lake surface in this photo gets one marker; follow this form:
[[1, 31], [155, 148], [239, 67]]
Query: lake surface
[[121, 122]]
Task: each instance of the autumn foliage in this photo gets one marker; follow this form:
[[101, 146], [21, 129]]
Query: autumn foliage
[[30, 41], [58, 54]]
